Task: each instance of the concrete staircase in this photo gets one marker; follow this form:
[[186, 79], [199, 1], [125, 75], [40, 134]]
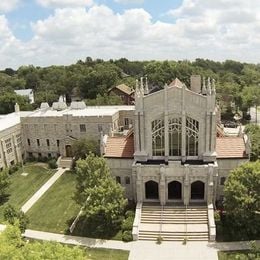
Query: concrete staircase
[[174, 223], [65, 162]]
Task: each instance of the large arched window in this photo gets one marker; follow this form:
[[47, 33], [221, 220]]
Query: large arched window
[[175, 137], [192, 137], [158, 137]]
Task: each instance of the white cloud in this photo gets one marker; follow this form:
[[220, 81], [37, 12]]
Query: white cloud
[[129, 1], [8, 5], [64, 3], [199, 29]]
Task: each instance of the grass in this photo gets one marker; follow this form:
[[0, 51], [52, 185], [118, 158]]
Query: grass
[[234, 255], [108, 254], [56, 209], [23, 187]]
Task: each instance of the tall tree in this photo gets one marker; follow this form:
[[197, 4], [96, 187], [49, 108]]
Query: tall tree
[[100, 196], [242, 200]]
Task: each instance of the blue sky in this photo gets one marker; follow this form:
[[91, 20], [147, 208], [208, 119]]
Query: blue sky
[[45, 32]]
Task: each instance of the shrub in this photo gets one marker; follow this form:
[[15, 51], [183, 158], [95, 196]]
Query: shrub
[[13, 169], [52, 164], [130, 214], [127, 236], [11, 215], [127, 224], [217, 216]]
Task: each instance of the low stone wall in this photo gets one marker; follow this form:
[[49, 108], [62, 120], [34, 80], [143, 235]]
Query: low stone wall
[[137, 221], [211, 223]]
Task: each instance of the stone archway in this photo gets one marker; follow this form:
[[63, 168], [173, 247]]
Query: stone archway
[[174, 190], [151, 190], [197, 190], [68, 151]]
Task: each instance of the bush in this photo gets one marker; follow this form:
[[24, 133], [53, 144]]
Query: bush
[[13, 169], [159, 240], [130, 214], [127, 224], [11, 215], [52, 164], [127, 236], [217, 216]]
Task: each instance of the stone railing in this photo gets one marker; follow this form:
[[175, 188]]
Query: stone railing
[[211, 223], [137, 221]]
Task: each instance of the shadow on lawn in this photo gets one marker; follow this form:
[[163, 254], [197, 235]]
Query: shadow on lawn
[[94, 228], [4, 198]]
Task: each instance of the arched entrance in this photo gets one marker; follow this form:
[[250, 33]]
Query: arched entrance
[[68, 151], [197, 190], [151, 190], [174, 190]]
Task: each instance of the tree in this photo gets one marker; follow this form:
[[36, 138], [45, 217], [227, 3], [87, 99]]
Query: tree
[[4, 184], [100, 196], [12, 215], [104, 100], [83, 146], [242, 200], [12, 246], [253, 131]]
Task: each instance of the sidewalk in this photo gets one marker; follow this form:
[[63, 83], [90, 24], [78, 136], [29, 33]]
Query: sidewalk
[[42, 190], [81, 241]]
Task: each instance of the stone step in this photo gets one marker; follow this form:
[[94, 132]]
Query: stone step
[[175, 222], [173, 238], [173, 214]]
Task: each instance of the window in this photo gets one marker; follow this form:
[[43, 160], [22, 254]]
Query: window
[[175, 137], [58, 143], [118, 179], [127, 180], [39, 155], [192, 137], [38, 142], [100, 128], [8, 143], [126, 121], [49, 155], [82, 128], [12, 162], [222, 180], [29, 142], [30, 155], [158, 137], [48, 142], [9, 150]]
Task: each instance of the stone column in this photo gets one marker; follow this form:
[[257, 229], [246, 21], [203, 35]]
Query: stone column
[[186, 188], [162, 185], [210, 192], [134, 182], [139, 185]]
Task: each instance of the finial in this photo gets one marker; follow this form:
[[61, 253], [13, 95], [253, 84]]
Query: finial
[[146, 88], [204, 89], [209, 87], [213, 86], [142, 85], [137, 89]]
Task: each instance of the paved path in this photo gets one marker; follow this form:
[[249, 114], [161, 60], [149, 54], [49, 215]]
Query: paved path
[[74, 240], [42, 190]]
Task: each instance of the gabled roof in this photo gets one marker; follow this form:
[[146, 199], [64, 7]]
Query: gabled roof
[[230, 147], [124, 88], [176, 83], [23, 92], [119, 147]]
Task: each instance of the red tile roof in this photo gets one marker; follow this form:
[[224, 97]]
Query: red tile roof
[[120, 147], [230, 147]]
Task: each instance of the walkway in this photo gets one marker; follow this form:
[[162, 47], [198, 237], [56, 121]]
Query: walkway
[[42, 190]]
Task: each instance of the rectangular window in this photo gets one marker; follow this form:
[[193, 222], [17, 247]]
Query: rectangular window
[[118, 179], [58, 143], [9, 150], [48, 142], [29, 142], [126, 121], [39, 155], [127, 180], [38, 142], [82, 128], [49, 155]]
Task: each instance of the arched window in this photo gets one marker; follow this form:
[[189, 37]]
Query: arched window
[[158, 137], [192, 137], [175, 137]]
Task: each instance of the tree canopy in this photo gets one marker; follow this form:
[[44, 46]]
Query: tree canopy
[[242, 200], [100, 196], [253, 131]]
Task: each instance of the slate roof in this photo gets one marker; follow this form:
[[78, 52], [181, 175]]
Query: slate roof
[[230, 147], [120, 147]]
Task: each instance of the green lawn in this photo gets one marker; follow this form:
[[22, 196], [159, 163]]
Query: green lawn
[[236, 255], [23, 187], [55, 210], [108, 254]]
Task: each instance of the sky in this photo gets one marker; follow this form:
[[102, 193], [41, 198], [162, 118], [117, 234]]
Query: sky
[[61, 32]]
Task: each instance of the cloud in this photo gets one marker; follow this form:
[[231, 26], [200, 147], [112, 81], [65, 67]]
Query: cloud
[[64, 3], [8, 5], [129, 1], [199, 29]]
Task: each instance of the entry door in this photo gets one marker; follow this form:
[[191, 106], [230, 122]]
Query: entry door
[[197, 190], [69, 151], [151, 190], [174, 190]]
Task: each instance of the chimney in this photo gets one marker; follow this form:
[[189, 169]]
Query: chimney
[[195, 83]]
